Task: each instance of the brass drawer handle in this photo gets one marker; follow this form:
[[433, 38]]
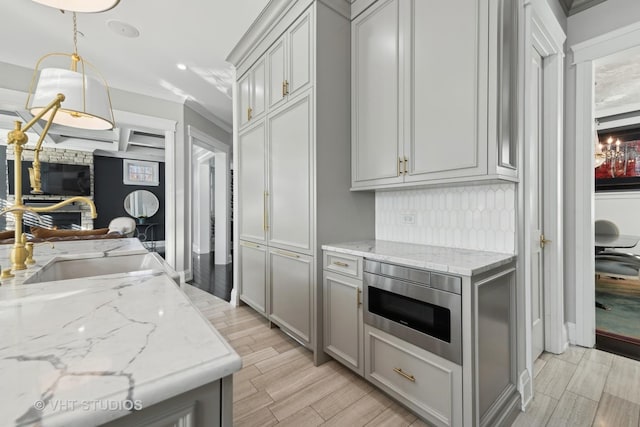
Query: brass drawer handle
[[404, 374], [250, 245], [341, 264], [249, 111], [287, 254], [265, 218], [284, 88], [358, 299]]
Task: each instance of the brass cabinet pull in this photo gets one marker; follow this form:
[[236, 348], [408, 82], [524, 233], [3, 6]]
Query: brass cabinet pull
[[287, 254], [404, 374], [265, 218], [284, 88], [250, 245], [358, 299], [249, 111], [543, 241], [405, 165], [340, 264]]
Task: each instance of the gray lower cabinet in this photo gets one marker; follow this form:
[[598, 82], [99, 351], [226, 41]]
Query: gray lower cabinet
[[291, 288], [207, 406], [343, 320], [479, 392], [253, 267]]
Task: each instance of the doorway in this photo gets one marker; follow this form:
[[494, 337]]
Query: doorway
[[211, 215], [585, 54]]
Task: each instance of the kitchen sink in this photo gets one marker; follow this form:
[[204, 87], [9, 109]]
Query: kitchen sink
[[65, 268]]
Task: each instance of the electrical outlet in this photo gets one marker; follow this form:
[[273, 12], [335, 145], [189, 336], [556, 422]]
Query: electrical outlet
[[408, 218]]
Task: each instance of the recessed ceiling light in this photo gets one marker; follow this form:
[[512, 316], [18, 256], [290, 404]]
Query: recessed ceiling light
[[123, 28], [181, 67], [80, 5]]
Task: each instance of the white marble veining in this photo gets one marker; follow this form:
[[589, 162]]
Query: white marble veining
[[46, 251], [437, 258], [479, 217], [85, 351]]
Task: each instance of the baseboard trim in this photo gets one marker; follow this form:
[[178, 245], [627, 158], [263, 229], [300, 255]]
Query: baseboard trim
[[571, 332], [525, 387]]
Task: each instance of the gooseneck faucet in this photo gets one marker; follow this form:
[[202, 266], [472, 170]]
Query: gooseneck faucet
[[18, 138]]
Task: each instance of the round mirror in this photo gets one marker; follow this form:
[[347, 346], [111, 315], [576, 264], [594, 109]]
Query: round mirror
[[141, 204]]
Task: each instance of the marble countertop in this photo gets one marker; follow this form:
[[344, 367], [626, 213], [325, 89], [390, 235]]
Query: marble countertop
[[86, 351], [45, 252], [436, 258]]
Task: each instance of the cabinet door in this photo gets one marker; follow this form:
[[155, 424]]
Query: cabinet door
[[445, 138], [299, 55], [253, 275], [290, 172], [291, 284], [343, 326], [375, 84], [251, 183], [276, 67], [244, 103], [258, 78]]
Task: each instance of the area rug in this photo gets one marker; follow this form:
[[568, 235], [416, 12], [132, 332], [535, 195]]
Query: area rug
[[621, 299]]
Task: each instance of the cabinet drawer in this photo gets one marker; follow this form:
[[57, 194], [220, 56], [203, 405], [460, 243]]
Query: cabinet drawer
[[349, 265], [426, 383]]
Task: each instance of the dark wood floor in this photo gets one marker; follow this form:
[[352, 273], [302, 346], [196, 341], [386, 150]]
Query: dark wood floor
[[214, 278]]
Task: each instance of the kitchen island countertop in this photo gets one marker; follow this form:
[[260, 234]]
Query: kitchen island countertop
[[87, 351]]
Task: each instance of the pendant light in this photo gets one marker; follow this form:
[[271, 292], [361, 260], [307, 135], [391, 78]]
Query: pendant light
[[85, 6], [87, 102]]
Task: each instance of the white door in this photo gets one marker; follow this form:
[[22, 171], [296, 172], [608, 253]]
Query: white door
[[251, 183], [290, 171], [535, 203]]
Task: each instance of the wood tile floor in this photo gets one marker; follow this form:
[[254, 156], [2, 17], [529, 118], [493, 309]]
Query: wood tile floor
[[278, 384]]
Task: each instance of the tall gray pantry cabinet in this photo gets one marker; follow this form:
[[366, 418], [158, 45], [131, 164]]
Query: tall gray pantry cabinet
[[292, 133]]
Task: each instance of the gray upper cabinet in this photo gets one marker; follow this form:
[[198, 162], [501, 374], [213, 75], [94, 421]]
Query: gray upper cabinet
[[289, 62], [425, 112], [251, 90], [375, 96]]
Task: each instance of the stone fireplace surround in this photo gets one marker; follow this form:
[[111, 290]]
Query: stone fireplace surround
[[54, 155]]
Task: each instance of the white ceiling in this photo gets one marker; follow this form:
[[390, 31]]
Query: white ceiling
[[617, 79], [197, 33]]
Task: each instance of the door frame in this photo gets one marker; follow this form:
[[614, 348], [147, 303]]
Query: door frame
[[223, 152], [581, 243], [543, 33]]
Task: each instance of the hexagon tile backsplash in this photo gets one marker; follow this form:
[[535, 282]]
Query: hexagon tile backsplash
[[481, 217]]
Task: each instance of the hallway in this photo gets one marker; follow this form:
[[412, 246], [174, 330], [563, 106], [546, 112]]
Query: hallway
[[216, 279]]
